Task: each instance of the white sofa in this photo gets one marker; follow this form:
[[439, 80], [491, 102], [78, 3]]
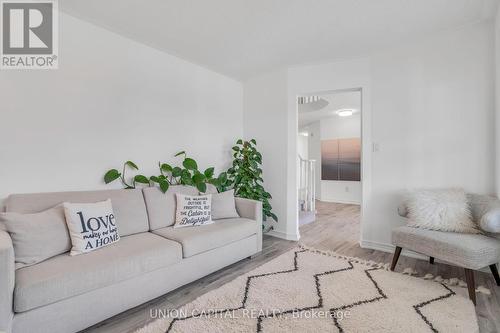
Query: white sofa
[[69, 293]]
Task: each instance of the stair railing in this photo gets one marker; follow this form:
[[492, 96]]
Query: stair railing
[[307, 185]]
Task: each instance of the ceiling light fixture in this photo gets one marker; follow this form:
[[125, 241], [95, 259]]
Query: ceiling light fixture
[[345, 112]]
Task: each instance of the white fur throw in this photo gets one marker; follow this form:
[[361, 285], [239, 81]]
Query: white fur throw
[[440, 209]]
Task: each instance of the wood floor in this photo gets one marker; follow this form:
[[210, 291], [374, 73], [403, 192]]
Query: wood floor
[[336, 229]]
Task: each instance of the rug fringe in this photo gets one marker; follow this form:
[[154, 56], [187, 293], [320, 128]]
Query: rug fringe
[[454, 281]]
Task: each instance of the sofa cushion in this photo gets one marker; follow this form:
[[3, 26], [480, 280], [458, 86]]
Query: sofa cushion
[[224, 205], [465, 250], [65, 276], [128, 205], [161, 206], [207, 237], [38, 236]]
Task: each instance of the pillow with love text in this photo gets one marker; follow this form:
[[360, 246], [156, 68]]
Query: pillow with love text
[[91, 225]]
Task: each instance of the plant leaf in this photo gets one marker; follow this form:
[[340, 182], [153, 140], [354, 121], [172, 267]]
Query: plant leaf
[[176, 172], [111, 175], [223, 177], [253, 141], [190, 164], [154, 179], [141, 179], [202, 187], [198, 178], [132, 165], [164, 185], [209, 172], [166, 167], [239, 142]]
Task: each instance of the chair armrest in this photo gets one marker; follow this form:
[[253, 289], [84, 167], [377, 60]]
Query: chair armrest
[[7, 280], [251, 209]]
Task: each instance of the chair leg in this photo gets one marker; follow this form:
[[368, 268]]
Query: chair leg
[[471, 285], [494, 271], [431, 260], [395, 258]]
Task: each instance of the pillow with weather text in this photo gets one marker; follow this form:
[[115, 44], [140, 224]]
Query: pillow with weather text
[[224, 205], [441, 210], [193, 210], [91, 225]]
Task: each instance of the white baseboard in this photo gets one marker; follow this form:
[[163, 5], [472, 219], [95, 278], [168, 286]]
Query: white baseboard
[[283, 235], [341, 201], [366, 244]]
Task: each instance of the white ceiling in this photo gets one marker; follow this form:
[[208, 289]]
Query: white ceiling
[[241, 38], [336, 101]]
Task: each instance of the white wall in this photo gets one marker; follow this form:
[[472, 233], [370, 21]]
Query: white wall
[[433, 119], [264, 119], [497, 81], [111, 99], [429, 105], [341, 128]]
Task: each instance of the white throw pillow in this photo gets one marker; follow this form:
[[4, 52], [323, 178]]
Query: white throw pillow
[[440, 209], [224, 205], [193, 210], [91, 225], [490, 222]]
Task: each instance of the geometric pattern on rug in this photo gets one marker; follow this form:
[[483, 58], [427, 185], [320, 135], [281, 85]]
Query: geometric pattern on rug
[[283, 293]]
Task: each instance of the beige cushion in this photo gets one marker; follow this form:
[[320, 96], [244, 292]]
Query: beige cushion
[[37, 237], [128, 205], [64, 276], [161, 206], [207, 237], [465, 250], [224, 206]]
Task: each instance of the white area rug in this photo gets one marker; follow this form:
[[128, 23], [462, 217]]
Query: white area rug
[[306, 290]]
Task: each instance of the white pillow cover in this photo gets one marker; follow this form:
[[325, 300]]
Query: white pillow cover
[[91, 225], [193, 210], [440, 209], [224, 205]]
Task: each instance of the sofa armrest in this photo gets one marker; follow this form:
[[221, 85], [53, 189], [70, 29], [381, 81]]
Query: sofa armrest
[[251, 209], [7, 279]]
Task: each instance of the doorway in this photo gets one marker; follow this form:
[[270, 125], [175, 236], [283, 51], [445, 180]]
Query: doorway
[[329, 159]]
